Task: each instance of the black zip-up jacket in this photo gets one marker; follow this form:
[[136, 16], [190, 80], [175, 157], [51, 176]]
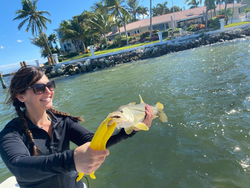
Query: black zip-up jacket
[[54, 167]]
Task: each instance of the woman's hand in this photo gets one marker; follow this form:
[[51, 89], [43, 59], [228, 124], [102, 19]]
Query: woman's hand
[[148, 117], [88, 160]]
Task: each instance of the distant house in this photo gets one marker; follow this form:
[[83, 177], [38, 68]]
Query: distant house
[[67, 45], [182, 19]]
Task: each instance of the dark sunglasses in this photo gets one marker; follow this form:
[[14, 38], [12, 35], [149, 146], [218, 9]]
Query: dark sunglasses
[[40, 88]]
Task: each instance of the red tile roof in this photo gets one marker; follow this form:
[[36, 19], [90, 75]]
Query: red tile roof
[[181, 15]]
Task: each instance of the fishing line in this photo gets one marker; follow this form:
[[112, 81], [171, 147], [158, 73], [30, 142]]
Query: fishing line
[[87, 181]]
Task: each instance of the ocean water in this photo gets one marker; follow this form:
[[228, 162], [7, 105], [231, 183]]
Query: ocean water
[[206, 95]]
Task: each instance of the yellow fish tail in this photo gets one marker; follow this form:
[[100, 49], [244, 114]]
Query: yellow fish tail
[[99, 140]]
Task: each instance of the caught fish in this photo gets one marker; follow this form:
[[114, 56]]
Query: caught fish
[[131, 115]]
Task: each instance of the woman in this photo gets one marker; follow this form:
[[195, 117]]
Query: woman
[[35, 146]]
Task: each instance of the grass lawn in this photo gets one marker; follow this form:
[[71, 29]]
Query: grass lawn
[[236, 24], [110, 50], [136, 45]]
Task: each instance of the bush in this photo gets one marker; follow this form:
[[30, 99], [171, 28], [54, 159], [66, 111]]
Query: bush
[[195, 27], [176, 31], [204, 22], [145, 34], [165, 34], [143, 40], [215, 21], [118, 39], [72, 54], [169, 29], [191, 28], [111, 46], [132, 42], [155, 31], [154, 38], [247, 9], [123, 42], [199, 27], [60, 59]]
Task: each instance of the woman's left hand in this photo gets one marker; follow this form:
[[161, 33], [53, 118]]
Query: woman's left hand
[[148, 117]]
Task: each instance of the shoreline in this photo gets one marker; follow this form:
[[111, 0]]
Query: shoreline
[[89, 64]]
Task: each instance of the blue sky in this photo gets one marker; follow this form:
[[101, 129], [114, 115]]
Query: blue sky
[[15, 45]]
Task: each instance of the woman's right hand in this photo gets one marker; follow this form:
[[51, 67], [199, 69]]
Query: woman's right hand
[[88, 160]]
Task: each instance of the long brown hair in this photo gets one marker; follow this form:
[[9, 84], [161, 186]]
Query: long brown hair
[[22, 79]]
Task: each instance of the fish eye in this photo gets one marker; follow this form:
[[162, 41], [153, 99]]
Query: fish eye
[[121, 111]]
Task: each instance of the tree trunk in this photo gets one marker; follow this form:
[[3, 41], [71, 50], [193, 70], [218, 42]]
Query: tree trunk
[[150, 13], [84, 47], [232, 13], [106, 40], [41, 33], [225, 13], [124, 25], [207, 13]]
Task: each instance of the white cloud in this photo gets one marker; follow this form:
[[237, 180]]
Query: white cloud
[[19, 41], [1, 47]]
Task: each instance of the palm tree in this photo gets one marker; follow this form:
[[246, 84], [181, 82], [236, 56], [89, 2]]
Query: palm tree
[[53, 39], [133, 7], [98, 7], [102, 23], [143, 11], [118, 23], [76, 31], [194, 4], [36, 20], [117, 10], [41, 43], [162, 8]]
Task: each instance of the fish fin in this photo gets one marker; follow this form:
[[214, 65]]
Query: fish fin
[[141, 99], [142, 126], [129, 130], [162, 116], [159, 106], [132, 103], [139, 117]]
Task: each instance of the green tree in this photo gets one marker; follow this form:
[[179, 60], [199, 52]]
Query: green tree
[[36, 19], [99, 7], [52, 39], [118, 10], [162, 8], [175, 9], [118, 23], [193, 3], [41, 43], [143, 11], [133, 6], [76, 31], [102, 23]]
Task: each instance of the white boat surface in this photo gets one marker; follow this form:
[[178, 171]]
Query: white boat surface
[[12, 183]]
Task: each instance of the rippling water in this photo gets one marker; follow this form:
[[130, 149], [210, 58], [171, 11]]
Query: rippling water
[[206, 95]]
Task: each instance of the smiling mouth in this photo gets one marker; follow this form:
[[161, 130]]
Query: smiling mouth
[[47, 99]]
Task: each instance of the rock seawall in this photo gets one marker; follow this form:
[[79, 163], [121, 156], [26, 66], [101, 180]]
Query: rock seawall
[[143, 53]]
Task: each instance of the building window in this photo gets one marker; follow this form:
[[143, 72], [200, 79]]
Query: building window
[[60, 34], [128, 34]]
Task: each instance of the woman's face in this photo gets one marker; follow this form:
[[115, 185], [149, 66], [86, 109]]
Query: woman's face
[[34, 102]]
